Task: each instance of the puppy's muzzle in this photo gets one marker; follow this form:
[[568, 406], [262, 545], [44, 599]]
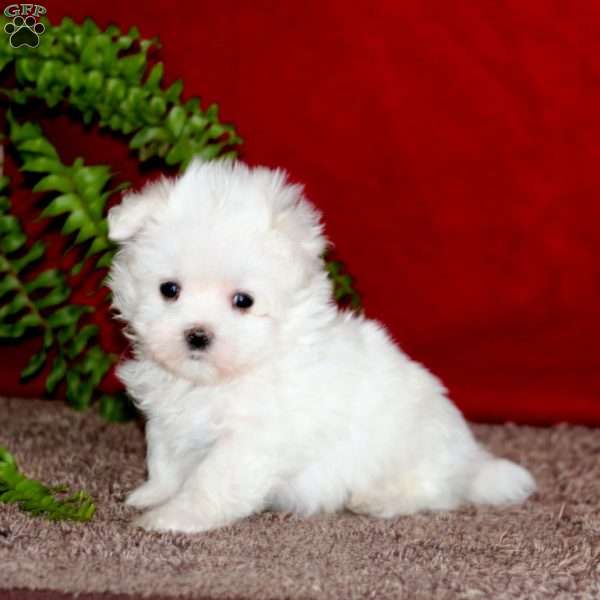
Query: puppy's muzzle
[[198, 338]]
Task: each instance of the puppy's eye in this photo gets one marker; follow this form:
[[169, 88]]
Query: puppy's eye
[[170, 290], [242, 300]]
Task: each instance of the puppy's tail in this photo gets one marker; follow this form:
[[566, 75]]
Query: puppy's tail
[[500, 481]]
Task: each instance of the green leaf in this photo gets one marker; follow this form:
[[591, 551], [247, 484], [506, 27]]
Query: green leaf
[[66, 334], [30, 487], [18, 303], [175, 121], [47, 279], [75, 221], [174, 91], [157, 106], [116, 408], [40, 146], [9, 224], [8, 283], [19, 133], [79, 392], [81, 340], [35, 364], [77, 268], [343, 285], [131, 67], [91, 177], [51, 71], [94, 81], [13, 241], [98, 245], [211, 151], [180, 152], [65, 203], [16, 330], [10, 497], [34, 254], [95, 363], [116, 90], [42, 164], [216, 130], [28, 69], [67, 315], [212, 113], [48, 338], [57, 373], [55, 183], [90, 28], [57, 296], [6, 458], [38, 499], [105, 260], [155, 76], [197, 123], [148, 134]]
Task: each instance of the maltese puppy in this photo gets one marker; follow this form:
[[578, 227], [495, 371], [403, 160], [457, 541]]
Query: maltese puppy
[[258, 392]]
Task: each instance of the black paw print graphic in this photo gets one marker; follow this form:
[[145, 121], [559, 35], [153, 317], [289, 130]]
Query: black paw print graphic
[[24, 32]]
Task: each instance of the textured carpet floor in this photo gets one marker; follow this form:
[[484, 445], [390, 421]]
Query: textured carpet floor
[[547, 548]]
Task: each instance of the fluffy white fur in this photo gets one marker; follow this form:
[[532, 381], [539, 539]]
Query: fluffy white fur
[[295, 405]]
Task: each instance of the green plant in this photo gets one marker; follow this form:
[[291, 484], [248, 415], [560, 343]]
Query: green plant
[[38, 303], [34, 497], [105, 77], [343, 284], [78, 191]]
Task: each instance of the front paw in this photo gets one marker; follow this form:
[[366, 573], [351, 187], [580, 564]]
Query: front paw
[[147, 495], [174, 517]]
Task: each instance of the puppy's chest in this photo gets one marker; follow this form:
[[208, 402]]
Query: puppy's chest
[[187, 426], [194, 421], [185, 433]]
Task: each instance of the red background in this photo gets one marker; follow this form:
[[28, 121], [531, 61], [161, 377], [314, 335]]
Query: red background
[[453, 148]]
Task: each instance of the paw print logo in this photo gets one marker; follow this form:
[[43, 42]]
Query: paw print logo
[[24, 32]]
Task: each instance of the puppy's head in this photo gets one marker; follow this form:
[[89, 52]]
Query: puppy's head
[[217, 268]]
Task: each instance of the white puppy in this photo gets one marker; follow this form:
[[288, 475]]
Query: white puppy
[[258, 392]]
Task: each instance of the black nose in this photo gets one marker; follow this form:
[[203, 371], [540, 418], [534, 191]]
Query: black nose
[[198, 339]]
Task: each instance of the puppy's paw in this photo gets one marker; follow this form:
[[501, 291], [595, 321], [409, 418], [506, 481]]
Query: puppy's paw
[[173, 517], [147, 495]]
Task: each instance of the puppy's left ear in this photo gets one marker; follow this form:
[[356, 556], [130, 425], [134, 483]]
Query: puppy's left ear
[[301, 222], [128, 218], [293, 215]]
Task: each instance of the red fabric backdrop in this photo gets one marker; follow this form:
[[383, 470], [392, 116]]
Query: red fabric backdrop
[[453, 148]]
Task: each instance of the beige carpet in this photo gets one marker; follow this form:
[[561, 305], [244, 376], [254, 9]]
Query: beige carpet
[[548, 548]]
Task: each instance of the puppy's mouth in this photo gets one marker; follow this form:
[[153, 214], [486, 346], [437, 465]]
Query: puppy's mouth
[[198, 366]]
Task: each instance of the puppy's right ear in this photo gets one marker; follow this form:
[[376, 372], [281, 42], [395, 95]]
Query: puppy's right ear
[[128, 218]]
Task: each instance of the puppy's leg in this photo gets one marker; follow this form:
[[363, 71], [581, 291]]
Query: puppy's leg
[[232, 482], [164, 474], [488, 480], [405, 495]]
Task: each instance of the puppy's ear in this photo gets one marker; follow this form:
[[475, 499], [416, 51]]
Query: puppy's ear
[[301, 222], [292, 214], [128, 218]]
